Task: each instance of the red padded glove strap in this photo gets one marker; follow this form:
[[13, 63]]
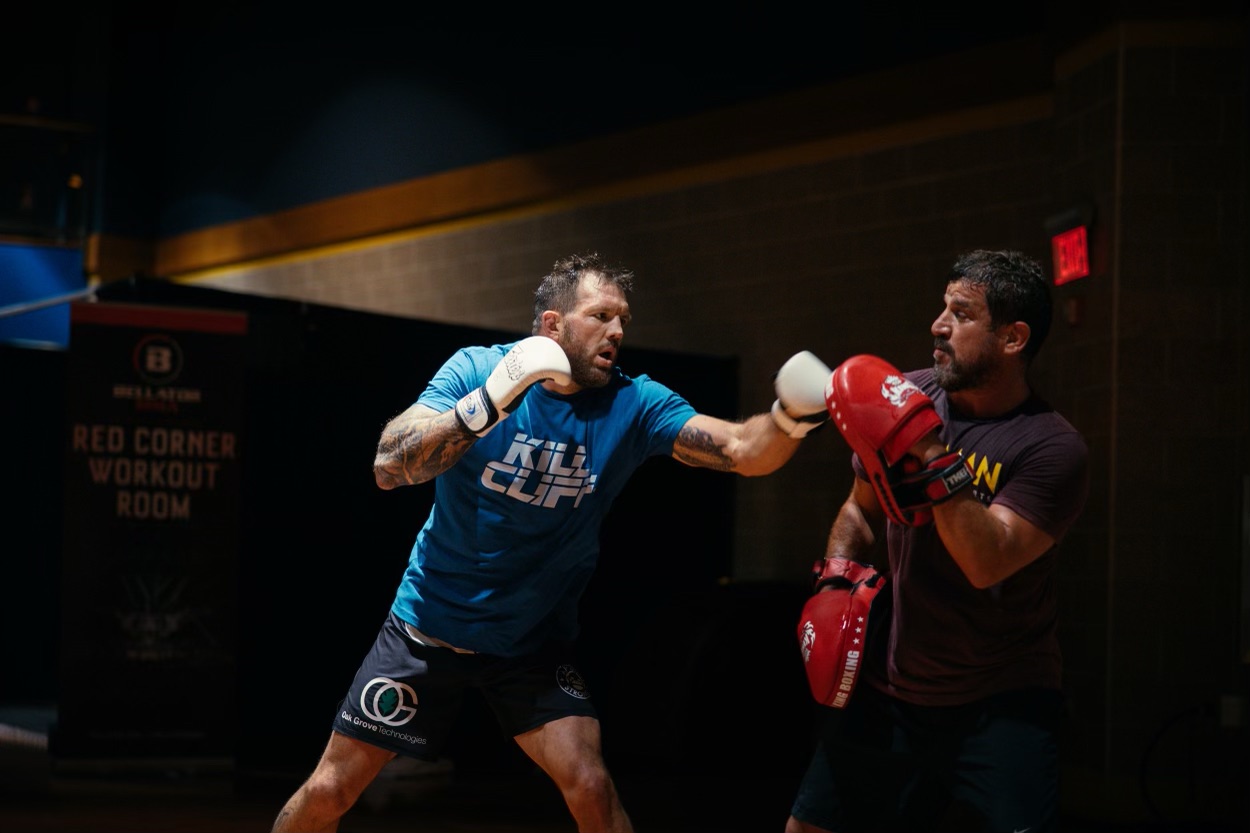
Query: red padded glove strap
[[939, 480], [946, 475]]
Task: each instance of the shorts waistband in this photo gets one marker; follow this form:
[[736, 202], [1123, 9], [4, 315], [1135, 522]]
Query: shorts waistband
[[430, 641]]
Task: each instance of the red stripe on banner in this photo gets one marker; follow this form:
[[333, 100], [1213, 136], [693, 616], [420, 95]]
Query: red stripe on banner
[[167, 318]]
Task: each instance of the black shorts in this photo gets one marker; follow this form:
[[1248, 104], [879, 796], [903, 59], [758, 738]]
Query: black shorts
[[406, 695], [885, 765]]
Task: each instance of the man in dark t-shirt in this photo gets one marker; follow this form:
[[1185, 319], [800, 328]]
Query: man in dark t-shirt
[[961, 705]]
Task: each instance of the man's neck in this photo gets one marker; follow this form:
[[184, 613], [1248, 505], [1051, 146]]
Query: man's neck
[[993, 399]]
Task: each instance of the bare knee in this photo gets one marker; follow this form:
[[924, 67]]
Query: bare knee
[[329, 794], [568, 751], [590, 795], [317, 805], [589, 780], [345, 769]]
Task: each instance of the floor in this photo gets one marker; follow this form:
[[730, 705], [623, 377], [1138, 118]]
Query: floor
[[37, 800], [42, 795]]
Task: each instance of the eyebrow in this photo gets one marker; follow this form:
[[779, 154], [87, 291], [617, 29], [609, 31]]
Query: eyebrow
[[622, 310], [961, 300]]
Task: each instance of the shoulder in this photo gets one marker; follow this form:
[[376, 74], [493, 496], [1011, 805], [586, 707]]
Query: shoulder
[[655, 393], [1049, 422], [656, 408], [486, 353], [642, 381], [1051, 428], [639, 385], [462, 371], [1038, 440], [478, 357]]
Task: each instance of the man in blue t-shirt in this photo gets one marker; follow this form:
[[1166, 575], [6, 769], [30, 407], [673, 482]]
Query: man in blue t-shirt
[[528, 444]]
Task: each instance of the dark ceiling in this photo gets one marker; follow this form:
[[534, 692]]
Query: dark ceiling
[[175, 118]]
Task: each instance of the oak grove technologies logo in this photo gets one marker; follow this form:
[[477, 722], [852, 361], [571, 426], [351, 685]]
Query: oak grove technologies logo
[[387, 701]]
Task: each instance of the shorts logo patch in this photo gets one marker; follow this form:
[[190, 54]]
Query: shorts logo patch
[[571, 682], [387, 701]]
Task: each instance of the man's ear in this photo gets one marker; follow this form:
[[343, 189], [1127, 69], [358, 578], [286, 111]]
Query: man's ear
[[1015, 336], [550, 324]]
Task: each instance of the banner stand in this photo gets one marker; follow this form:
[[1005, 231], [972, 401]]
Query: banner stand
[[152, 457]]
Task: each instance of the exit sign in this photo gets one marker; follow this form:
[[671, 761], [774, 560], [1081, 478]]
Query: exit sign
[[1070, 251]]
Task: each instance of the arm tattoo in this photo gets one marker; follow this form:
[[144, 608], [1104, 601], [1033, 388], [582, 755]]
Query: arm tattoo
[[695, 447], [414, 450]]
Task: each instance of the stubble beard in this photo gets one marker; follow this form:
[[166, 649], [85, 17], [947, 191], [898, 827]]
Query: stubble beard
[[586, 375], [583, 370], [955, 375]]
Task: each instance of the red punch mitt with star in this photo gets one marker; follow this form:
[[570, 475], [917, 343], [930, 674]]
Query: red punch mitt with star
[[833, 627]]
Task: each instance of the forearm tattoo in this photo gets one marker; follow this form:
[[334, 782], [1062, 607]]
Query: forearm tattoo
[[414, 450], [695, 447]]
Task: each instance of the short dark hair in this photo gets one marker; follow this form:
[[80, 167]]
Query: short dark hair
[[1015, 290], [558, 290]]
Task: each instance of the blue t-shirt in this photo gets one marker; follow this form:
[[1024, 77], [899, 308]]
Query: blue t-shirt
[[513, 536]]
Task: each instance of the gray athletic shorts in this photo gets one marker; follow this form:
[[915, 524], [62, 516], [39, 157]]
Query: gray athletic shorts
[[406, 695]]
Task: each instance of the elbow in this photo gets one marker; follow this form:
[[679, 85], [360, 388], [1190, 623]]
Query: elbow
[[983, 578], [982, 582], [978, 574], [754, 469], [388, 480], [758, 465], [757, 472], [385, 480]]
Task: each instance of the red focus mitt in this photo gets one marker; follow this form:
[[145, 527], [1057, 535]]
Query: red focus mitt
[[881, 414], [833, 627]]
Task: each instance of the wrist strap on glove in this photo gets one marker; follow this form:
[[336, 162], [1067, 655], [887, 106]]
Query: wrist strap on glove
[[939, 480], [797, 428], [476, 412], [844, 574]]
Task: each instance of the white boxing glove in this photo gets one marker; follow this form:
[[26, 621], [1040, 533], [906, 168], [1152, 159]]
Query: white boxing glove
[[800, 385], [530, 361]]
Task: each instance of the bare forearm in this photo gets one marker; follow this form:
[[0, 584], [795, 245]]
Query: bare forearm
[[749, 448], [849, 538], [989, 543], [415, 448], [853, 534]]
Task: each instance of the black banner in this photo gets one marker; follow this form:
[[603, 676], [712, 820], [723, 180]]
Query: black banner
[[154, 406]]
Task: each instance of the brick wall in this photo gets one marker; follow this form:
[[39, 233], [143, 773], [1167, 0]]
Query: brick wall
[[845, 256], [1154, 129]]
